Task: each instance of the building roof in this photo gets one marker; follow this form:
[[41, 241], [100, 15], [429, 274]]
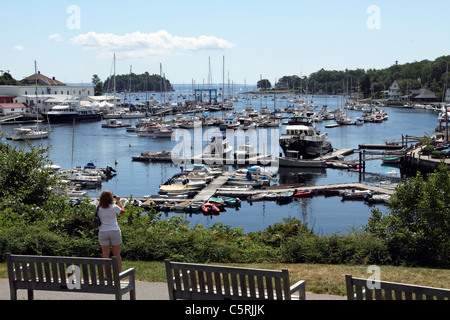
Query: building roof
[[12, 105], [423, 94], [41, 79]]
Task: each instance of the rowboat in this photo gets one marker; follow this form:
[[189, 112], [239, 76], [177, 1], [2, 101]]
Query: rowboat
[[286, 196], [180, 206], [218, 202], [193, 207], [229, 201], [256, 197]]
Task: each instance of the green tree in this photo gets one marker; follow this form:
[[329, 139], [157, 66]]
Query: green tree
[[417, 229], [263, 84], [7, 80], [26, 184], [99, 90]]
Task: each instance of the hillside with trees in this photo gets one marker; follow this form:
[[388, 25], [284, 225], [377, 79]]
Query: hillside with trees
[[431, 75]]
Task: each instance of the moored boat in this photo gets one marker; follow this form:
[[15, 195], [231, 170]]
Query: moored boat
[[303, 194], [231, 202], [71, 110], [356, 194], [210, 208], [302, 136]]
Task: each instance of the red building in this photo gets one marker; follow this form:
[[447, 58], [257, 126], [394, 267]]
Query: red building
[[8, 99]]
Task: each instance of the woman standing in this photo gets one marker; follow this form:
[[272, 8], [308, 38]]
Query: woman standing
[[109, 234]]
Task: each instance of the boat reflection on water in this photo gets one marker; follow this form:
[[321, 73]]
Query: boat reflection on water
[[306, 176]]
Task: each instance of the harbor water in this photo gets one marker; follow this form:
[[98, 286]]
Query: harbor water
[[89, 142]]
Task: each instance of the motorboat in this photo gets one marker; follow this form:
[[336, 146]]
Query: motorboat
[[218, 147], [199, 168], [71, 110], [153, 156], [355, 194], [302, 136], [378, 198], [114, 123], [247, 153], [175, 189], [155, 132]]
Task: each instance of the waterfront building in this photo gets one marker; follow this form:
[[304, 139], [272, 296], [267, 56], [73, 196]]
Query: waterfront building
[[47, 88], [7, 109], [394, 91]]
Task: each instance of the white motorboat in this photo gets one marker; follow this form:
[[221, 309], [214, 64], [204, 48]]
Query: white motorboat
[[114, 123], [155, 132], [218, 147]]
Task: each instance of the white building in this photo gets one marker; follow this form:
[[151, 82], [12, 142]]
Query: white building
[[7, 109], [46, 88], [394, 93]]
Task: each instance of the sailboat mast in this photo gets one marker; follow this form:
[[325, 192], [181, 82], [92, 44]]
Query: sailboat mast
[[36, 88]]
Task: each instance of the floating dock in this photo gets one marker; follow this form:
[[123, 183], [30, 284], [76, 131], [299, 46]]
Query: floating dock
[[211, 189], [318, 189], [381, 146]]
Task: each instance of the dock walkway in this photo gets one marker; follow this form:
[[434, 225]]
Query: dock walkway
[[211, 189], [355, 185]]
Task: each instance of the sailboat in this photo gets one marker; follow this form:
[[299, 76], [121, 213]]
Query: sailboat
[[34, 132]]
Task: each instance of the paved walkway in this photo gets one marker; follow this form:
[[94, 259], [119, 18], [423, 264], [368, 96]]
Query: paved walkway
[[144, 291]]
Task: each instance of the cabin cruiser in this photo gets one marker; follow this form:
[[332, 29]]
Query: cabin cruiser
[[218, 147], [302, 136], [71, 110]]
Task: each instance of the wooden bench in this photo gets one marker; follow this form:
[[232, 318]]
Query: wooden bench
[[210, 282], [68, 274], [364, 289]]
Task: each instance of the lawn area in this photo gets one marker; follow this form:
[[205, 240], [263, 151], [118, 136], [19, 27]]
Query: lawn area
[[322, 279]]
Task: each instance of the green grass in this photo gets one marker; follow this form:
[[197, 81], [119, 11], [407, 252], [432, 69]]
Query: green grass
[[322, 279]]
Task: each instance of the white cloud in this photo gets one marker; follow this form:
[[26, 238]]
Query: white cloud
[[56, 37], [139, 45], [19, 48]]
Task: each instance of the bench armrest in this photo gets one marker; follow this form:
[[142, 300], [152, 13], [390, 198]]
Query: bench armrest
[[127, 273], [301, 288]]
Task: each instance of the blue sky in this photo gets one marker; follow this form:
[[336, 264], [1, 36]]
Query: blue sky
[[72, 40]]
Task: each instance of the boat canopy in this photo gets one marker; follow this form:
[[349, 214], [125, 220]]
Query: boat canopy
[[298, 127]]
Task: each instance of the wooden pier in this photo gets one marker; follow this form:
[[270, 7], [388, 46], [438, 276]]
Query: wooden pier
[[211, 189]]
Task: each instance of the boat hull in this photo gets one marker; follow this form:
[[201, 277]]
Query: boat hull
[[306, 149], [69, 118]]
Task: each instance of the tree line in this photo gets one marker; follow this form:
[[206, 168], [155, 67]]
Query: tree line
[[371, 83], [137, 83]]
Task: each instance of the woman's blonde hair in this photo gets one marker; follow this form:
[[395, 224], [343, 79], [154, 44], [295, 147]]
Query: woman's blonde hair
[[106, 199]]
